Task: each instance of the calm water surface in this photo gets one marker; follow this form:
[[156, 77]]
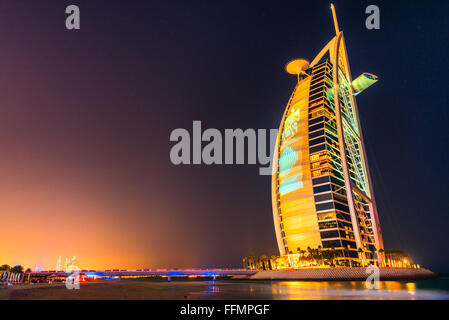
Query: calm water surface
[[409, 290]]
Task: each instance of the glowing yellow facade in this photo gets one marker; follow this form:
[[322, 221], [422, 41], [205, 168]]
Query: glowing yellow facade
[[321, 189]]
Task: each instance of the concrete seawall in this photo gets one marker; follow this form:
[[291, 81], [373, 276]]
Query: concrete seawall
[[342, 274]]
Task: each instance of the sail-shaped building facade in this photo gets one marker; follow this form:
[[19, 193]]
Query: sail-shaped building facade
[[322, 193]]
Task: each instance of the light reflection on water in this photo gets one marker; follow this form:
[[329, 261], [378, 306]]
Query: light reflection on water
[[312, 290]]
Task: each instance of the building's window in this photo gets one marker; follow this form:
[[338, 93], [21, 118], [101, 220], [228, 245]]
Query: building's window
[[328, 225], [317, 148], [316, 120], [322, 163], [330, 234], [316, 127], [316, 100], [320, 73], [319, 89], [316, 113], [324, 206], [319, 156], [352, 253], [316, 141], [343, 216], [323, 197], [320, 180], [341, 207], [323, 188], [321, 172], [332, 244], [317, 95], [326, 215], [345, 225]]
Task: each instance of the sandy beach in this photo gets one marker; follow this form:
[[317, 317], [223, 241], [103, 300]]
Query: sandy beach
[[121, 290]]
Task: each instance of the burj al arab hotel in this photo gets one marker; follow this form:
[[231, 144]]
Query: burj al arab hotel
[[322, 193]]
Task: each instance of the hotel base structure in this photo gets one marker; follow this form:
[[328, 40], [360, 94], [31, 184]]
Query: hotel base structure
[[322, 194]]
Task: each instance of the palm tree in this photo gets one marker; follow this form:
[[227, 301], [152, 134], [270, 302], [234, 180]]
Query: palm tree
[[320, 254], [273, 262], [333, 255], [325, 255], [263, 260], [251, 261], [5, 267], [258, 263], [18, 269], [303, 252], [310, 253]]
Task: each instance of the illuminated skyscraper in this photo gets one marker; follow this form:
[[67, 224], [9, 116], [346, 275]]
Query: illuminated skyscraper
[[321, 186]]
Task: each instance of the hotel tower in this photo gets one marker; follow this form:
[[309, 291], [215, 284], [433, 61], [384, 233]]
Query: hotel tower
[[321, 186]]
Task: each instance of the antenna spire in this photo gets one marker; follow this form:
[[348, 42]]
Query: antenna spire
[[334, 16]]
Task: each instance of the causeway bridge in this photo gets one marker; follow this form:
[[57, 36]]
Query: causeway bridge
[[151, 272]]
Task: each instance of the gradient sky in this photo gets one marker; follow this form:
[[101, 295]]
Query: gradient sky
[[86, 118]]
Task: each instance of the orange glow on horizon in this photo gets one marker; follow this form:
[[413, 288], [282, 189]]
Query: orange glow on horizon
[[49, 211]]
